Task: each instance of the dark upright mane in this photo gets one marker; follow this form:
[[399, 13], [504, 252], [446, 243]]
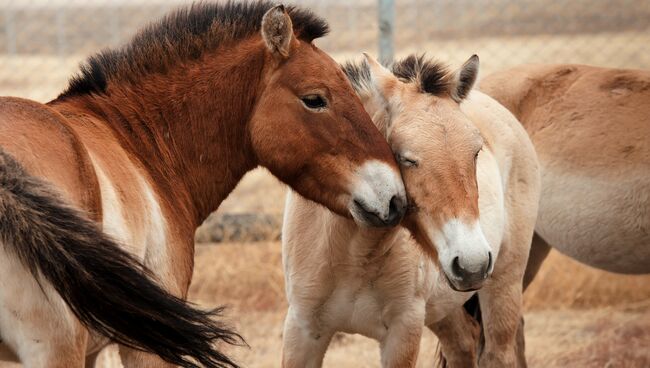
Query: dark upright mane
[[185, 34], [431, 76]]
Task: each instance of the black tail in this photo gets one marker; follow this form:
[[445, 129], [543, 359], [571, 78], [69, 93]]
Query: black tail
[[109, 290]]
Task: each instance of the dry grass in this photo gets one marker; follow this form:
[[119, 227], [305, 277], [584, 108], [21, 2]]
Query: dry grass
[[576, 316]]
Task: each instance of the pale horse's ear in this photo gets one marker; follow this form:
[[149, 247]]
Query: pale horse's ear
[[277, 31], [382, 103], [383, 79], [463, 79]]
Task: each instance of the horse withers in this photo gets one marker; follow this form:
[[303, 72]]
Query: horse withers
[[472, 180], [145, 142]]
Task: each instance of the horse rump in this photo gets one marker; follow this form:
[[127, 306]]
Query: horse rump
[[108, 289]]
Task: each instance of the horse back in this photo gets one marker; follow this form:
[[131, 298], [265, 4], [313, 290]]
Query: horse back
[[43, 142], [577, 112]]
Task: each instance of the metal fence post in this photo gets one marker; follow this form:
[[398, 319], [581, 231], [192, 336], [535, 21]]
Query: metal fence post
[[386, 25], [10, 31]]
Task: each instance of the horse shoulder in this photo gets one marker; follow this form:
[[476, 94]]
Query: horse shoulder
[[508, 169]]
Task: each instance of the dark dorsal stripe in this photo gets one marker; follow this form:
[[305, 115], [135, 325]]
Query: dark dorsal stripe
[[184, 34], [431, 76]]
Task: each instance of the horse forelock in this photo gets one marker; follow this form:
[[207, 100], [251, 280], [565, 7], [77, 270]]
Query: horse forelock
[[185, 34]]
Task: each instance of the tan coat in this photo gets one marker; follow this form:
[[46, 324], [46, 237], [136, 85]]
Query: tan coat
[[385, 285], [591, 129]]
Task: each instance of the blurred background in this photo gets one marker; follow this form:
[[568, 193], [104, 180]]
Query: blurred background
[[576, 316], [43, 41]]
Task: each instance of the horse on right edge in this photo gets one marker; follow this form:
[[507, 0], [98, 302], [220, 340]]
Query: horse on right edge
[[591, 129]]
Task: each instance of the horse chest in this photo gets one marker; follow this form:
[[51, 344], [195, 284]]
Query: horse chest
[[357, 308]]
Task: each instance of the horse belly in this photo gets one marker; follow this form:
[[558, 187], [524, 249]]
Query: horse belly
[[600, 220]]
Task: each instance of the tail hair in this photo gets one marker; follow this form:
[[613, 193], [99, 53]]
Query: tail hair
[[107, 288]]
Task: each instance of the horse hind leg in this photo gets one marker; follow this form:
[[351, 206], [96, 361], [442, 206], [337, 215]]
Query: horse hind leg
[[35, 323], [539, 250]]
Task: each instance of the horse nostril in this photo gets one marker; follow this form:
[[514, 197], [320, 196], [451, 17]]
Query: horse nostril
[[489, 265], [396, 211], [456, 268]]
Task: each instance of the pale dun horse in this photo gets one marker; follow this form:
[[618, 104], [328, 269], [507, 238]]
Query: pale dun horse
[[141, 147], [472, 180]]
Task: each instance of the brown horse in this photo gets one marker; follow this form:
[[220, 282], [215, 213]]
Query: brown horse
[[591, 129], [473, 183], [144, 144]]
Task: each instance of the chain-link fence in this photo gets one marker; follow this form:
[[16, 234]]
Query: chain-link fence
[[43, 41]]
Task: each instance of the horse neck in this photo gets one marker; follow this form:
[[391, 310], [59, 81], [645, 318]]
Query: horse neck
[[353, 245], [188, 128]]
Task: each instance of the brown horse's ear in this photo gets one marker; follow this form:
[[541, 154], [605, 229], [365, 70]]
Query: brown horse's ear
[[277, 31], [383, 79], [463, 79]]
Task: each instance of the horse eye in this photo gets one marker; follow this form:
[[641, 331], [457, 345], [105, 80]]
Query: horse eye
[[406, 162], [314, 102]]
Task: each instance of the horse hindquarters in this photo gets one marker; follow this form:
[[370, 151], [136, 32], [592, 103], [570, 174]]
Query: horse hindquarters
[[35, 323], [59, 255]]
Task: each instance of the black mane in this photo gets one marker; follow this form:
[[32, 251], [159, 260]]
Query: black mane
[[431, 76], [185, 34]]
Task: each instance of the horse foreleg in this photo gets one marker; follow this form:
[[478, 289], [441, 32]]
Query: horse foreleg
[[401, 346], [302, 346], [501, 312], [458, 334]]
